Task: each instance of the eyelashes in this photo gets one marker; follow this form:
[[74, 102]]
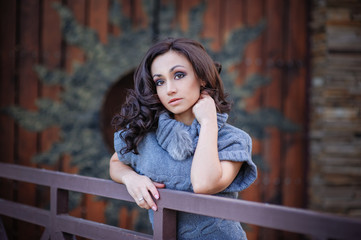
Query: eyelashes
[[177, 76], [158, 82]]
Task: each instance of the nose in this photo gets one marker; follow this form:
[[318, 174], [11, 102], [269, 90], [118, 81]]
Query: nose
[[171, 88]]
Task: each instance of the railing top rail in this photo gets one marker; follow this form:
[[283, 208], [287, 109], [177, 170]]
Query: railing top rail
[[71, 182], [266, 215]]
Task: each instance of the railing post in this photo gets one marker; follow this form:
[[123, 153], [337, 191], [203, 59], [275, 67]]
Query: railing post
[[165, 224], [2, 231], [58, 205]]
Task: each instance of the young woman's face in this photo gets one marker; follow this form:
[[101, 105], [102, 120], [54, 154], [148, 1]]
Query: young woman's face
[[177, 85]]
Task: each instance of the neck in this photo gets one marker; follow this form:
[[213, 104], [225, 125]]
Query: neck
[[187, 118]]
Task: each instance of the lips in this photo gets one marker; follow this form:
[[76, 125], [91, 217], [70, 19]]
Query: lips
[[174, 101]]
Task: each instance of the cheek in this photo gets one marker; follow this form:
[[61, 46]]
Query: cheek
[[161, 95], [196, 89], [197, 96], [195, 93]]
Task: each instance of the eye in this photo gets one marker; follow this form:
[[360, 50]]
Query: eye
[[179, 75], [159, 82]]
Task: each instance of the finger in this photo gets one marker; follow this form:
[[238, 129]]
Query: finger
[[153, 189], [139, 199], [142, 202], [159, 185], [149, 201]]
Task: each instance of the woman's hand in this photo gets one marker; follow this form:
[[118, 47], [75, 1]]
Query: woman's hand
[[140, 187], [205, 109]]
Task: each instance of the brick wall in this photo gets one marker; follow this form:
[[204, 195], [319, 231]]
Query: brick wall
[[335, 107]]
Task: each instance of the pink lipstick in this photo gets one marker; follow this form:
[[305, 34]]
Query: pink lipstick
[[174, 101]]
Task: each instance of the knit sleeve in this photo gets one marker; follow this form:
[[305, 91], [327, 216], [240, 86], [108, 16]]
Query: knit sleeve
[[236, 145], [119, 144]]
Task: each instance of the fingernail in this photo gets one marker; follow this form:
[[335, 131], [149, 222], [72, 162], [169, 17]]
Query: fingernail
[[156, 196], [154, 208]]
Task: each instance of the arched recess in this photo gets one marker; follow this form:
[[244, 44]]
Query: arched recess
[[113, 100]]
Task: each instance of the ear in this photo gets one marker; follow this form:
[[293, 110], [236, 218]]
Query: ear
[[203, 83]]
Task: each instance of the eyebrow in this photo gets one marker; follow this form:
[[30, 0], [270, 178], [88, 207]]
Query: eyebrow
[[170, 70]]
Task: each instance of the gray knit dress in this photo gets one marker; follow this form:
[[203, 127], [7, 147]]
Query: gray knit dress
[[166, 155]]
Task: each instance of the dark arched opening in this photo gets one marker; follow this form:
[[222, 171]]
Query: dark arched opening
[[113, 101]]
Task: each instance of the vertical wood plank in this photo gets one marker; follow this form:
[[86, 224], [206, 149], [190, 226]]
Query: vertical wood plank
[[254, 57], [73, 53], [295, 106], [51, 57], [294, 187], [28, 82], [126, 11], [274, 92], [182, 12], [95, 209], [127, 8], [253, 60], [7, 80], [27, 94], [98, 18], [123, 218], [113, 29], [8, 53], [239, 8], [212, 23], [272, 97], [140, 19], [233, 16]]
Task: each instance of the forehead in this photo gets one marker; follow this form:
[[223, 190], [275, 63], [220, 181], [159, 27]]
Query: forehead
[[168, 60]]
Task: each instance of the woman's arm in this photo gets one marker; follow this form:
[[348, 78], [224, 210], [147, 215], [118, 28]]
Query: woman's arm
[[209, 175], [139, 187]]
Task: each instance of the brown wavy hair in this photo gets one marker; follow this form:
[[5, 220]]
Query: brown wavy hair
[[140, 112]]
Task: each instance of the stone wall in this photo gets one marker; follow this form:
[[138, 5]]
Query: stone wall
[[335, 107]]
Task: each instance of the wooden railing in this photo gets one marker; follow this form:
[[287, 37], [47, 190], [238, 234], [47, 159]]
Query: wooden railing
[[59, 225]]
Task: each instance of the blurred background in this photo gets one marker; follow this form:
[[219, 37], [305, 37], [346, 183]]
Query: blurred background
[[291, 68]]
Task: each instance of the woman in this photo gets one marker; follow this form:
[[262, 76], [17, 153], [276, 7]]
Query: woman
[[172, 133]]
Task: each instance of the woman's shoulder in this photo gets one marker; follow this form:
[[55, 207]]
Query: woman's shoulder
[[119, 137], [230, 131]]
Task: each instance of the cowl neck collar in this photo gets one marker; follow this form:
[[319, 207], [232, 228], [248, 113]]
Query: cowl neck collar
[[178, 139]]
